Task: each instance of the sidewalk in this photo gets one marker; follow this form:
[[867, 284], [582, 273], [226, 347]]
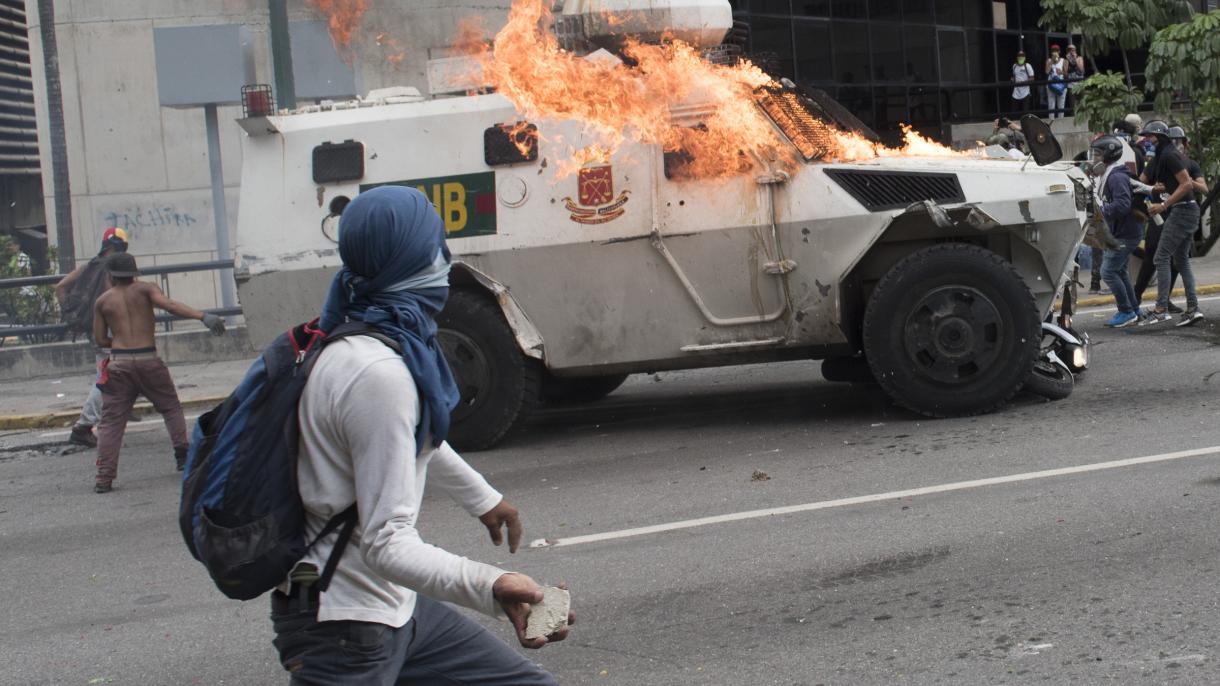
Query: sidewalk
[[56, 402]]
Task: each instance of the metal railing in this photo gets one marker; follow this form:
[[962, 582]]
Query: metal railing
[[161, 272]]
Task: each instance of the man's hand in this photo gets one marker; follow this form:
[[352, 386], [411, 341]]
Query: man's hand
[[515, 593], [1156, 209], [503, 515], [213, 322]]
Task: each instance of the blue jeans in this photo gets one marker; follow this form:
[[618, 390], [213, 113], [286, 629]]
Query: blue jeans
[[1115, 270], [438, 647], [1176, 239]]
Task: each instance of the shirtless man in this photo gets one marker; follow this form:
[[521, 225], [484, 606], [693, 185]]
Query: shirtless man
[[123, 321]]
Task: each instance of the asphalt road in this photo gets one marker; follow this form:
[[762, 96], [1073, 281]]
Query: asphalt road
[[1104, 575]]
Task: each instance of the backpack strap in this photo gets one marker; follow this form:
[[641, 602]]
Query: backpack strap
[[347, 329], [346, 519]]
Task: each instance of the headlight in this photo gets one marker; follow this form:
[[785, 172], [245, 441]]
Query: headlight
[[1080, 357]]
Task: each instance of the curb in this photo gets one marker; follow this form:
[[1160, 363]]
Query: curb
[[56, 420], [1098, 300]]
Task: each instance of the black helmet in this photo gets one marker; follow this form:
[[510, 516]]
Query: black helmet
[[1156, 127], [1109, 148], [1177, 133]]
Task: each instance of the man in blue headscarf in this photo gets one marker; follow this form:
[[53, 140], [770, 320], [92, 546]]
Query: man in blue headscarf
[[373, 426]]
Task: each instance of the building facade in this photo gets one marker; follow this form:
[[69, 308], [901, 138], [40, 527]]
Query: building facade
[[929, 63], [136, 164]]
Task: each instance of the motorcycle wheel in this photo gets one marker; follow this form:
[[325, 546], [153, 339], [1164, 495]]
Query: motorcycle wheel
[[1050, 381]]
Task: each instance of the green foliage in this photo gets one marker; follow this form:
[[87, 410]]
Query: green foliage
[[31, 305], [1104, 98], [1106, 24], [1186, 57], [1205, 138]]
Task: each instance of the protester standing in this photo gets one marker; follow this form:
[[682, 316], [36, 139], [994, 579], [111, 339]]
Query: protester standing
[[124, 322], [373, 427], [1114, 197], [1056, 90], [77, 292], [1075, 74], [1022, 72], [1181, 213]]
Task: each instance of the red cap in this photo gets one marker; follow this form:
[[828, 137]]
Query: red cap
[[1055, 47]]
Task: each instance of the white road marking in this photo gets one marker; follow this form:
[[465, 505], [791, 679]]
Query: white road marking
[[149, 422], [865, 499]]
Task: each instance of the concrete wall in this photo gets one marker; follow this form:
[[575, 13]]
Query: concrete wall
[[136, 164]]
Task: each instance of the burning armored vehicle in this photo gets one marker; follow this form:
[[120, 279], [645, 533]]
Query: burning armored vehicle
[[655, 211]]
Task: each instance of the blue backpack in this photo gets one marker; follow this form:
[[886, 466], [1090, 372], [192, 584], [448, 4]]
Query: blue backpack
[[241, 513]]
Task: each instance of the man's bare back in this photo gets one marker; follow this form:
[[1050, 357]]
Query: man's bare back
[[124, 318]]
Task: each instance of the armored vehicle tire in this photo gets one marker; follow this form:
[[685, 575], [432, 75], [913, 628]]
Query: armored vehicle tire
[[847, 370], [558, 390], [499, 385], [1050, 381], [951, 330]]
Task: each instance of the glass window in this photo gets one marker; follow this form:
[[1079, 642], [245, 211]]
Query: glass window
[[811, 8], [1006, 47], [980, 56], [887, 52], [859, 101], [949, 12], [952, 56], [1031, 12], [919, 11], [770, 6], [925, 107], [1013, 15], [813, 57], [978, 13], [772, 45], [885, 10], [921, 54], [851, 52], [850, 9], [891, 106]]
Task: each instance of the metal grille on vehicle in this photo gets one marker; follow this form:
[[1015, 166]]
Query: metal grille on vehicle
[[880, 190]]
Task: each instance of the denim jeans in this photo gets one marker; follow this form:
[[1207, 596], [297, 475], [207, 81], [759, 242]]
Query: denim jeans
[[1055, 102], [1176, 238], [1115, 269], [91, 413], [437, 647]]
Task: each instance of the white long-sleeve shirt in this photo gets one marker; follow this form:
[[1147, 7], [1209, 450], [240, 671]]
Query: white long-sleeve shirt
[[358, 416]]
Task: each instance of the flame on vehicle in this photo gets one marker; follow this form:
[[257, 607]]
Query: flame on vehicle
[[717, 117], [343, 19]]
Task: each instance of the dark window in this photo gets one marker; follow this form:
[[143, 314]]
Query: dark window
[[858, 101], [772, 44], [921, 54], [925, 108], [949, 12], [1013, 15], [887, 52], [1031, 12], [1006, 47], [851, 9], [811, 8], [952, 55], [813, 57], [885, 10], [978, 13], [770, 6], [851, 52], [980, 56], [919, 11], [891, 106]]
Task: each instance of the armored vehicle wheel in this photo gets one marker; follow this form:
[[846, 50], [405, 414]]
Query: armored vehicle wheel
[[499, 384], [847, 370], [558, 390], [951, 330]]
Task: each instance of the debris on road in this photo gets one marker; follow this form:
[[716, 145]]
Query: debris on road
[[760, 476], [551, 614]]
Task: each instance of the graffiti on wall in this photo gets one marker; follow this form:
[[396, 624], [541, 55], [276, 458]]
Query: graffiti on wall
[[149, 217]]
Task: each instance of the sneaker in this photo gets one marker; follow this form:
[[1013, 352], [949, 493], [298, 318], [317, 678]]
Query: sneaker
[[83, 435], [103, 487], [1174, 309], [1122, 319], [1190, 318], [1151, 317], [180, 458]]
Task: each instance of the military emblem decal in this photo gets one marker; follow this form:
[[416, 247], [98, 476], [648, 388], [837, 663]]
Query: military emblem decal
[[595, 190]]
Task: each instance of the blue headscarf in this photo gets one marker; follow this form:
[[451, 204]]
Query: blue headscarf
[[395, 278]]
